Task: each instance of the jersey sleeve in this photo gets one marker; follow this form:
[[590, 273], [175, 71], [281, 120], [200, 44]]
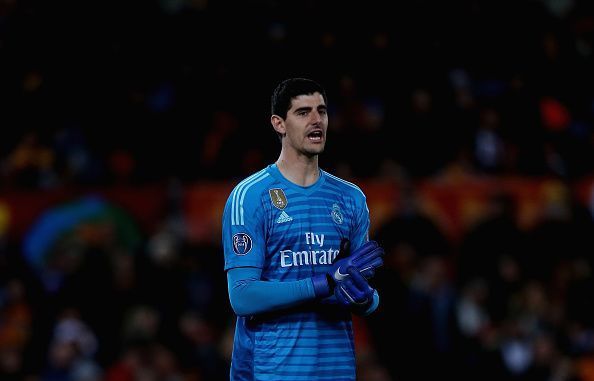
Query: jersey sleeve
[[243, 230], [250, 296], [360, 233]]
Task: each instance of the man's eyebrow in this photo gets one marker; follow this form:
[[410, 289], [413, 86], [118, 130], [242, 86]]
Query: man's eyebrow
[[304, 108], [308, 108]]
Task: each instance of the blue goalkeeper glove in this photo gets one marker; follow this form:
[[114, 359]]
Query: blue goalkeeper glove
[[365, 259], [354, 291]]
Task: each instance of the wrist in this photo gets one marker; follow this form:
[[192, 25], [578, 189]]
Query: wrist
[[322, 285], [371, 306]]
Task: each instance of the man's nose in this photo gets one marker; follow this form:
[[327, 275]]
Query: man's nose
[[316, 118]]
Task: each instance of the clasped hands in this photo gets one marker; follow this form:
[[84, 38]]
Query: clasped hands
[[348, 276]]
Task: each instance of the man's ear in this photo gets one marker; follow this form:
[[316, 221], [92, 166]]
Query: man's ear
[[278, 124]]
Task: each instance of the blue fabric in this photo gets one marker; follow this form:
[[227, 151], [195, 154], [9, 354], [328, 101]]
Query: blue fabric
[[285, 235], [321, 285], [250, 296]]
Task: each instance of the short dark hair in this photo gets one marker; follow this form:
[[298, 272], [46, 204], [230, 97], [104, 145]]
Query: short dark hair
[[291, 88]]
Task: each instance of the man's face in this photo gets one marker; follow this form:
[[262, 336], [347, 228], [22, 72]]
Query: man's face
[[306, 124]]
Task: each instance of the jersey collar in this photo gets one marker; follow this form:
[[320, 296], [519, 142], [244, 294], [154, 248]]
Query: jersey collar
[[276, 173]]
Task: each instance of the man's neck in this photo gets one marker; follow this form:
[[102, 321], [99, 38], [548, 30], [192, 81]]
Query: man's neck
[[301, 170]]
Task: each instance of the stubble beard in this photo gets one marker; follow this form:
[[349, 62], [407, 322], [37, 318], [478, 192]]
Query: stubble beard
[[312, 152]]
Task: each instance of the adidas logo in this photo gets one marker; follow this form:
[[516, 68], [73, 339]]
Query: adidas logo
[[284, 217]]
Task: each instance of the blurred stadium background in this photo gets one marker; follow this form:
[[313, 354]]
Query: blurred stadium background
[[124, 125]]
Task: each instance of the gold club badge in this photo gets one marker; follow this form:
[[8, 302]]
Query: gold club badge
[[278, 198]]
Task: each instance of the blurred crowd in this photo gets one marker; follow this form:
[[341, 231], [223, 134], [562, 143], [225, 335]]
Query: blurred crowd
[[141, 92]]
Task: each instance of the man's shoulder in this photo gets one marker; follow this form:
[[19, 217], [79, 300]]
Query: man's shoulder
[[345, 186], [253, 184]]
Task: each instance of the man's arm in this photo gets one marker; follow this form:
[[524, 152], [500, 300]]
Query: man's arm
[[251, 296]]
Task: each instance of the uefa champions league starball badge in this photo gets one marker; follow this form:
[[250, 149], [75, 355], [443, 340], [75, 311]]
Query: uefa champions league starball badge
[[242, 243]]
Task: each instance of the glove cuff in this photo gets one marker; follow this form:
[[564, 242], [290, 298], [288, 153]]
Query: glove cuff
[[323, 285], [371, 305]]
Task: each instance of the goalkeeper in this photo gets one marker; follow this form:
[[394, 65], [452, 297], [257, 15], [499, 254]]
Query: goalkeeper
[[297, 253]]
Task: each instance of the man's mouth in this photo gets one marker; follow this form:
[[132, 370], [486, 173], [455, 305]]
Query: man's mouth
[[315, 136]]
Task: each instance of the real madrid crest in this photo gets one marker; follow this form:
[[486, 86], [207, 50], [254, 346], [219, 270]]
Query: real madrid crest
[[336, 214], [278, 198]]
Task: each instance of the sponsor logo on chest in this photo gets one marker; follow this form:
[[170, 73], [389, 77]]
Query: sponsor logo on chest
[[317, 254]]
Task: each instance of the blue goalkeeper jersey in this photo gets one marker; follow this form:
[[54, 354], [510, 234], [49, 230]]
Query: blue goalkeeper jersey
[[293, 232]]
